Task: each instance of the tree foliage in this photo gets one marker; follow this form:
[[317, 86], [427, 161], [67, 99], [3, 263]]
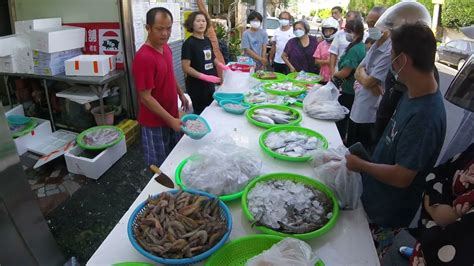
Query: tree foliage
[[365, 6], [457, 13], [324, 13]]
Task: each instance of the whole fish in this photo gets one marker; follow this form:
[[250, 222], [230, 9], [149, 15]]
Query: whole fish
[[263, 119], [292, 144]]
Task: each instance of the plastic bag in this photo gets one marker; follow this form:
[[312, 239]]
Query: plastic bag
[[236, 81], [322, 103], [101, 136], [330, 167], [222, 168], [289, 251]]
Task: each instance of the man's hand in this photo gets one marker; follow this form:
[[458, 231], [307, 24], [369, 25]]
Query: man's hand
[[263, 60], [354, 163], [184, 102], [377, 90], [461, 209], [176, 124], [292, 69], [358, 74]]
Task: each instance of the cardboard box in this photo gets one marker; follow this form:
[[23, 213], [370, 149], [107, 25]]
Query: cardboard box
[[27, 26], [49, 71], [57, 39], [57, 55], [94, 168], [7, 45], [90, 65]]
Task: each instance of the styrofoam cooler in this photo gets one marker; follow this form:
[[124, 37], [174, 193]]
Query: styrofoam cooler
[[57, 39], [96, 167], [27, 26], [7, 45], [7, 65], [90, 65], [41, 132]]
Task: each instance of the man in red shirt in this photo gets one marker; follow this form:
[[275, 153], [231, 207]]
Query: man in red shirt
[[157, 89]]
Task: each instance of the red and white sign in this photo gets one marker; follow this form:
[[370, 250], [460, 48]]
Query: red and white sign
[[103, 38]]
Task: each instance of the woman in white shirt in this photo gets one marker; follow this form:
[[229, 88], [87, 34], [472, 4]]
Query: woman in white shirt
[[279, 40]]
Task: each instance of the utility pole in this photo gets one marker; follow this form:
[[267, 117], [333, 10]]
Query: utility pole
[[434, 22]]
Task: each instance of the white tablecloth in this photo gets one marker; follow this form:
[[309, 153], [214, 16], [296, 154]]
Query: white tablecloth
[[348, 243]]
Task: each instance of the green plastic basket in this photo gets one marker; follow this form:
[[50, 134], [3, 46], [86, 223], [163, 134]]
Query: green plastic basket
[[237, 252], [292, 77], [30, 126], [279, 77], [300, 179], [267, 88], [252, 110], [303, 130], [180, 183], [80, 138]]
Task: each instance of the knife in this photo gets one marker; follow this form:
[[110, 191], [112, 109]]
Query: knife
[[162, 178]]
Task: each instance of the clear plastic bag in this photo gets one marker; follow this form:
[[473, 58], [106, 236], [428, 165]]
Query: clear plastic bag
[[222, 168], [101, 136], [322, 103], [236, 81], [289, 251], [330, 167]]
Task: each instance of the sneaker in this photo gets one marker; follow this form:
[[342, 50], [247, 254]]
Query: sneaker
[[406, 251]]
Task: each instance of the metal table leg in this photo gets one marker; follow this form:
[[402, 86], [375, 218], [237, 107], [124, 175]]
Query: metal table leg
[[5, 79], [100, 93], [45, 85]]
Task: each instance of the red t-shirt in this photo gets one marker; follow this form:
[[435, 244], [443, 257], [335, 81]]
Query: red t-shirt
[[154, 71]]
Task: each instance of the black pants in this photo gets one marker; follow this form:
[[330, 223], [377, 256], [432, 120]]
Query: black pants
[[281, 68], [345, 100], [363, 133], [201, 95]]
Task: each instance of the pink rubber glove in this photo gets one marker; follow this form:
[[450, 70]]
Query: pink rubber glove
[[223, 67], [209, 78]]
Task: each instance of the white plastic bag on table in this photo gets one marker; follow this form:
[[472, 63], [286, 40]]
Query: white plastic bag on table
[[236, 81], [330, 167], [221, 168], [322, 103], [289, 251]]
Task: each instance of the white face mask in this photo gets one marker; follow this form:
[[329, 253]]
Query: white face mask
[[284, 22], [349, 37], [375, 34], [255, 24], [298, 33], [396, 73]]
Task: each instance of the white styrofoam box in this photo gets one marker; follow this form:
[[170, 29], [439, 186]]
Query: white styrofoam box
[[90, 65], [49, 71], [57, 39], [96, 167], [42, 131], [7, 65], [17, 110], [83, 95], [27, 26], [53, 142], [7, 44], [56, 55]]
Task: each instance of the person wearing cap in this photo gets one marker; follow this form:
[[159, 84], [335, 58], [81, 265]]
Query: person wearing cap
[[394, 179], [298, 53], [321, 57], [281, 37], [370, 74]]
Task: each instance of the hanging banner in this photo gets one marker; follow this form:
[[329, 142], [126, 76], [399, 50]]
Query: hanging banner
[[103, 38]]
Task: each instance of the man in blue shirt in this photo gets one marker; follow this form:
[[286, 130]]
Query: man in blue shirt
[[394, 179]]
